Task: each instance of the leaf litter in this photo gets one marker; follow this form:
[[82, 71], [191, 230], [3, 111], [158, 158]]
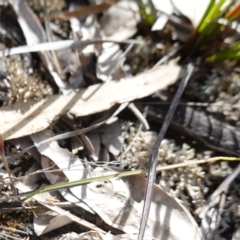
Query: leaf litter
[[39, 90]]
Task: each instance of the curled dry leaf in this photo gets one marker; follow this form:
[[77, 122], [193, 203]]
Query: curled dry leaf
[[62, 158], [70, 168]]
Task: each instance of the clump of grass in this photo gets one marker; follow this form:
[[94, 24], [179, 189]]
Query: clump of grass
[[210, 35]]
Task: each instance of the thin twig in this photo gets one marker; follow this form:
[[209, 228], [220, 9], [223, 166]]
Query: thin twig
[[49, 35], [136, 135], [63, 44], [2, 155], [167, 57], [13, 230], [153, 160], [218, 198], [68, 134], [62, 185], [142, 119]]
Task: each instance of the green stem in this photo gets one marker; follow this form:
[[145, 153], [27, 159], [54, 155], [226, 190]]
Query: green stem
[[123, 174]]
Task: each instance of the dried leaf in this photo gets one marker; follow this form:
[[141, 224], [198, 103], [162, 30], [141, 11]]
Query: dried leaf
[[23, 119], [69, 167], [110, 62], [120, 20], [119, 203], [34, 33], [61, 157], [81, 12], [95, 140], [194, 10], [111, 137], [49, 221], [60, 211]]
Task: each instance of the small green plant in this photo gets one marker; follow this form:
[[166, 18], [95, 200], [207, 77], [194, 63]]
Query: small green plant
[[146, 12], [212, 30]]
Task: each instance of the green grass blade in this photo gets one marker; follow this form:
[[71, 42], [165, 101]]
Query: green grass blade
[[124, 174]]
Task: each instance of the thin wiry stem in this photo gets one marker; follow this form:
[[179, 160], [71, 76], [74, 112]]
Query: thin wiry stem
[[153, 160], [2, 155]]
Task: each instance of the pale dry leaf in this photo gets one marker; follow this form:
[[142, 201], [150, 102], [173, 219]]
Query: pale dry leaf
[[70, 236], [24, 119], [42, 200], [34, 33], [59, 45], [160, 23], [168, 219], [111, 137], [88, 28], [70, 168], [165, 9], [48, 222], [28, 21], [120, 20], [72, 199], [119, 203], [91, 235], [94, 138], [165, 6], [193, 9], [65, 161], [110, 62], [84, 28], [69, 134]]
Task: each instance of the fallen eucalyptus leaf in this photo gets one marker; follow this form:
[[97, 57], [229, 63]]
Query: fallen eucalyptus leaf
[[24, 119]]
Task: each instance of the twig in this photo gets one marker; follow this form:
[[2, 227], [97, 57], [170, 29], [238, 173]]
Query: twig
[[218, 198], [139, 115], [68, 134], [153, 160], [166, 57], [136, 135], [2, 154], [13, 230], [49, 35], [64, 44]]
